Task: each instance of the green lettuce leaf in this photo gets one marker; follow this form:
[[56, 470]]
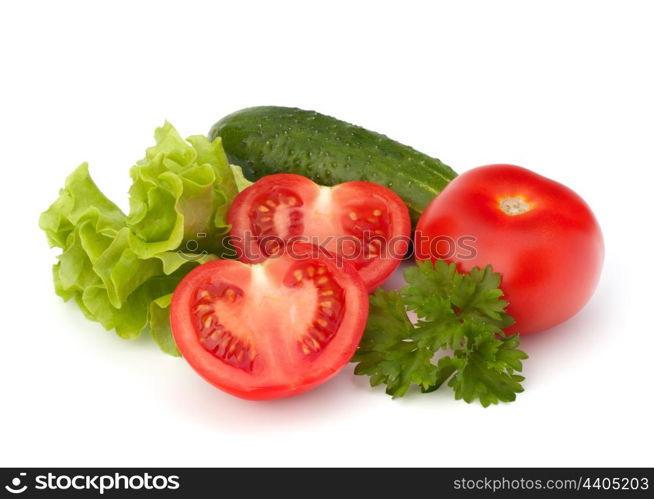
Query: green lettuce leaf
[[121, 270], [241, 181], [180, 195], [160, 325], [77, 199]]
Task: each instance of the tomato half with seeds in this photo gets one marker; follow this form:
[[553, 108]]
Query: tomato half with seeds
[[363, 223], [272, 329]]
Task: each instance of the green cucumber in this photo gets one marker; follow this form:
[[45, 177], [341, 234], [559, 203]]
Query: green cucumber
[[268, 139]]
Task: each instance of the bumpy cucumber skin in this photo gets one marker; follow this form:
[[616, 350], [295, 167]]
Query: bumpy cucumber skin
[[270, 139]]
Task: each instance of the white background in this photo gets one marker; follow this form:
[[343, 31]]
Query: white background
[[563, 88]]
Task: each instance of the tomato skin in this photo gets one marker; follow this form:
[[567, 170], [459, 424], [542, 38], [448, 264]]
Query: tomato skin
[[325, 213], [550, 256], [284, 371]]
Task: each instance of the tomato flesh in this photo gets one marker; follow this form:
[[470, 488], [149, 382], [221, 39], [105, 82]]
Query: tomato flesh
[[540, 235], [364, 223], [272, 329]]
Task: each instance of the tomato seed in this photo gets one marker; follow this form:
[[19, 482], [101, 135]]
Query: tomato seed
[[213, 336]]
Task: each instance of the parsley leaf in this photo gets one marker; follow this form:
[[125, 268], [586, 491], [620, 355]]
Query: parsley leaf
[[458, 337], [388, 353]]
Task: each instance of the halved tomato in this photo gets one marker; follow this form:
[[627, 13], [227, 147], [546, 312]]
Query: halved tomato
[[273, 329], [363, 223]]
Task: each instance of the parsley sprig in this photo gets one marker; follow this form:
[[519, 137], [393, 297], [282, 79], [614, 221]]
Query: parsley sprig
[[458, 337]]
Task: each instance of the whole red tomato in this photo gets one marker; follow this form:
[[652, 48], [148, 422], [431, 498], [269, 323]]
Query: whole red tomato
[[540, 235]]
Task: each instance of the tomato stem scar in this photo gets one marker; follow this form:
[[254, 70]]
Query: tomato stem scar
[[515, 206]]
